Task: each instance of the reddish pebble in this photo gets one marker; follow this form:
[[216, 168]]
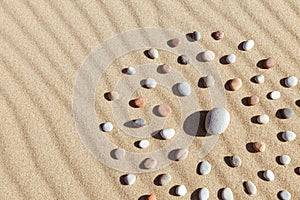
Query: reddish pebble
[[259, 146], [218, 35], [166, 68], [174, 42], [235, 84], [269, 63], [164, 110], [253, 100], [151, 197], [139, 102]]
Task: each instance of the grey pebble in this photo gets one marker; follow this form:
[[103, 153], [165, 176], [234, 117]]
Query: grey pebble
[[184, 59], [288, 136], [250, 188], [184, 89], [235, 161], [119, 153], [217, 121], [285, 159], [284, 195], [140, 122], [287, 113], [196, 35], [204, 168], [165, 179], [203, 194], [149, 163], [208, 81]]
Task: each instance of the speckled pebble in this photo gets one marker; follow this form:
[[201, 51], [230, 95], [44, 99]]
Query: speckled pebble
[[140, 122], [227, 194], [208, 56], [235, 161], [250, 188], [208, 81], [165, 179], [231, 58], [150, 83], [263, 119], [288, 136], [181, 190], [218, 35], [275, 95], [107, 127], [204, 168], [285, 159], [269, 175], [149, 163], [287, 113], [259, 146], [259, 79], [181, 154], [184, 89], [184, 59], [203, 194], [284, 195], [153, 53], [269, 63], [130, 179]]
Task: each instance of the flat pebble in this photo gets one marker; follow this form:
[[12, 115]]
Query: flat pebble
[[269, 63], [184, 59], [231, 58], [174, 42], [196, 35], [130, 71], [149, 163], [263, 119], [288, 136], [153, 53], [143, 144], [107, 127], [119, 153], [181, 190], [217, 121], [140, 122], [204, 168], [284, 195], [250, 188], [227, 194], [164, 110], [269, 175], [208, 81], [287, 113], [275, 95], [253, 100], [285, 160], [130, 179], [165, 179], [151, 197], [184, 89], [235, 84], [150, 83], [248, 45], [291, 81], [181, 154], [259, 79], [167, 133], [235, 161], [259, 146], [166, 68], [208, 56], [203, 194], [218, 35], [113, 95], [139, 102]]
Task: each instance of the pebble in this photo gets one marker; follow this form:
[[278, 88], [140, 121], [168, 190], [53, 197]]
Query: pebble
[[269, 63], [196, 35], [184, 89], [285, 195], [203, 194], [291, 81], [174, 42], [107, 127], [153, 53], [231, 58], [218, 35], [140, 122], [287, 113], [253, 100], [285, 160], [217, 121], [130, 179], [184, 59], [248, 45], [181, 190], [227, 194], [288, 136], [149, 163], [181, 154], [151, 197], [259, 146], [113, 95], [150, 83], [166, 68], [119, 153], [204, 168], [250, 188], [165, 179], [167, 133], [130, 71], [208, 56], [235, 84], [144, 144], [164, 110], [263, 119], [259, 79], [269, 175], [139, 102], [275, 95], [235, 161], [208, 81]]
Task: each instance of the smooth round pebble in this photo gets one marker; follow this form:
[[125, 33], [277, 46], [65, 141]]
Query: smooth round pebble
[[181, 154], [153, 53], [275, 95], [250, 188], [174, 42], [248, 45], [288, 136], [167, 133], [151, 197], [203, 194], [235, 84], [119, 153], [130, 70], [139, 102], [217, 121], [150, 83], [291, 81], [285, 160], [208, 56], [253, 100], [208, 81], [164, 110], [184, 59], [181, 190], [235, 161], [107, 127], [143, 144], [165, 179], [259, 146], [218, 35], [269, 63], [269, 175], [196, 35], [284, 195], [227, 194], [263, 119], [204, 168], [140, 122], [287, 113], [130, 179], [149, 163], [166, 68], [113, 95], [259, 79], [184, 89], [231, 58]]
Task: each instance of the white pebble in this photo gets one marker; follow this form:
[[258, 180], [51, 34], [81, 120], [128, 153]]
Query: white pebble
[[207, 56], [248, 45], [227, 194], [263, 119], [107, 126], [130, 179], [259, 79], [285, 195], [250, 188], [275, 95], [144, 144], [231, 58], [291, 81], [269, 175], [165, 179], [181, 190], [196, 35], [167, 133], [153, 53], [150, 83], [209, 81], [285, 160], [184, 89], [203, 194], [288, 136], [140, 122], [217, 121], [204, 168], [130, 71]]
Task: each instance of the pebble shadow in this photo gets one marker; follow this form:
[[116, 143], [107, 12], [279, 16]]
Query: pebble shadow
[[279, 114], [223, 61], [227, 161], [170, 43], [244, 187], [113, 154], [195, 195], [297, 103], [199, 57], [143, 83], [124, 70], [155, 111], [194, 124], [142, 164], [136, 144], [260, 64], [227, 85], [245, 101], [122, 180], [189, 37], [130, 124], [157, 179], [269, 96], [260, 174], [144, 197], [254, 119], [297, 170], [279, 137], [106, 96], [249, 147], [201, 83], [172, 154], [240, 46], [220, 193], [160, 70], [131, 103], [156, 135], [278, 160], [282, 82], [172, 190], [147, 55], [252, 79]]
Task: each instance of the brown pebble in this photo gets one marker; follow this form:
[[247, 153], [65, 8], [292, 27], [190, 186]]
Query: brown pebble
[[174, 42], [218, 35], [139, 102], [269, 63], [235, 84], [164, 110], [151, 197], [112, 95], [259, 146], [166, 68], [253, 100]]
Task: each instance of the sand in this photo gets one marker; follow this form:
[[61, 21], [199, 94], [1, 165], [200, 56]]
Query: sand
[[43, 45]]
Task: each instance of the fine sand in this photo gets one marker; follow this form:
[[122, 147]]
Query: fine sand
[[44, 43]]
